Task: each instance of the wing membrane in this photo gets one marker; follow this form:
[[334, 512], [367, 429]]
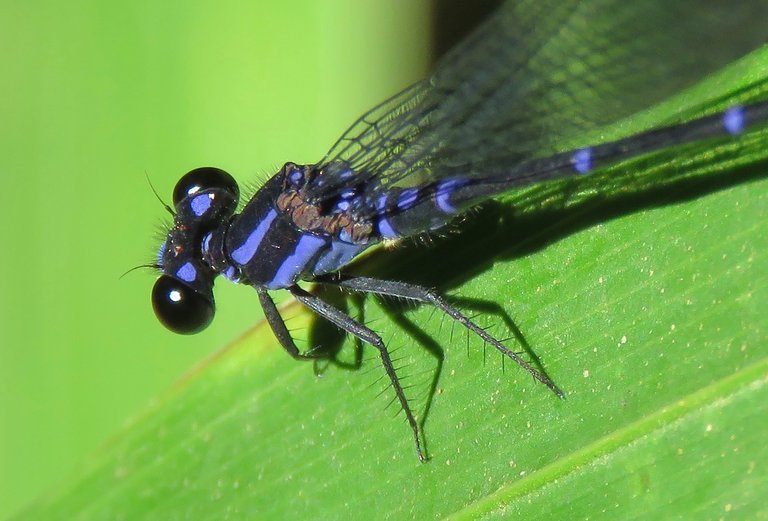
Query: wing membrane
[[536, 76]]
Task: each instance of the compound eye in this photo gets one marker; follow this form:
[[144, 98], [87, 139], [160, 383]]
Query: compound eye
[[180, 308], [204, 178]]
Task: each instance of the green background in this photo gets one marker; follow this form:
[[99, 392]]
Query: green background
[[93, 96]]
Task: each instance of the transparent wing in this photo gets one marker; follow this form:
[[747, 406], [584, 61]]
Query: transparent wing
[[537, 75]]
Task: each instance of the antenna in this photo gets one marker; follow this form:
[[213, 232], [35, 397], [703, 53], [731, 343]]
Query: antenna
[[165, 205]]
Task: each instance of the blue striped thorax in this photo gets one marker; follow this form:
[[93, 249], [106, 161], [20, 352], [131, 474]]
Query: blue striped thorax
[[283, 235]]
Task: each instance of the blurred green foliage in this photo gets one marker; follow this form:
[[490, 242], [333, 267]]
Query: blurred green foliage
[[96, 95]]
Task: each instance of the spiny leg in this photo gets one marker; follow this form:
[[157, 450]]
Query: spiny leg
[[367, 335], [421, 294], [277, 324]]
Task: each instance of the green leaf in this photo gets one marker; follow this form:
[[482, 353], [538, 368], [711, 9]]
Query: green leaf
[[642, 290]]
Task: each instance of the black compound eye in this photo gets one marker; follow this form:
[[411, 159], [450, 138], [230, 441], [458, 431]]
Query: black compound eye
[[180, 308], [204, 178]]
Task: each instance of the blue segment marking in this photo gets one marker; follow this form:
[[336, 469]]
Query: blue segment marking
[[231, 274], [296, 177], [187, 272], [201, 204], [245, 252], [734, 120], [340, 254], [582, 160], [294, 264], [385, 229], [407, 198], [206, 243], [384, 226], [344, 200], [443, 193]]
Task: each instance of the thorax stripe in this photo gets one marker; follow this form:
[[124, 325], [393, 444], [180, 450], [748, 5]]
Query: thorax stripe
[[306, 248], [244, 253]]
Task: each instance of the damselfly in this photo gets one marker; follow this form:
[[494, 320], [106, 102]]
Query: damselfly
[[515, 104]]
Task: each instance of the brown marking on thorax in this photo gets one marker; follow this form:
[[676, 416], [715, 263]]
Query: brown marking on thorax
[[308, 217]]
